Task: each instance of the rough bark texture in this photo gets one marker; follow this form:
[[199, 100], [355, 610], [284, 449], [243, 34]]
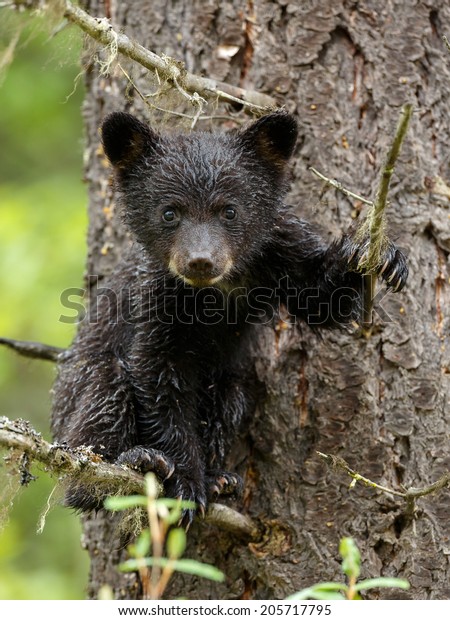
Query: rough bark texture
[[382, 403]]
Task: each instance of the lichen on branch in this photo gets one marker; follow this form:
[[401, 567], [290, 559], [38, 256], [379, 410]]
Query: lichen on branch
[[169, 69], [91, 470]]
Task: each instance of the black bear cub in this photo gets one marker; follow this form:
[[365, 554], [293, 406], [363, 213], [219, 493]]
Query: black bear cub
[[160, 375]]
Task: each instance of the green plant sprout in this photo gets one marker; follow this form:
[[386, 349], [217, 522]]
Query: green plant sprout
[[351, 567], [156, 553]]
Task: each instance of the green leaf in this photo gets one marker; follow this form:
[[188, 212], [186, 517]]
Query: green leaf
[[318, 594], [170, 502], [176, 543], [175, 506], [351, 558], [142, 545], [173, 517], [191, 567], [382, 582], [125, 502], [132, 565], [330, 585]]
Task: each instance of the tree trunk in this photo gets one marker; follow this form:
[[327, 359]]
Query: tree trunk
[[381, 402]]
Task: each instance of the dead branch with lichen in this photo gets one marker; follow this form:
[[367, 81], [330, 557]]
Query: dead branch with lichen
[[196, 89], [90, 470]]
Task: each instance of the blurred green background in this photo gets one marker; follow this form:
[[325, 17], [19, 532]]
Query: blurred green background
[[42, 250]]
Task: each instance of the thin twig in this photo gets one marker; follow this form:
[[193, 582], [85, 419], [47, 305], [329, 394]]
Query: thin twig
[[8, 54], [444, 481], [408, 495], [336, 184], [194, 119], [35, 350], [446, 41]]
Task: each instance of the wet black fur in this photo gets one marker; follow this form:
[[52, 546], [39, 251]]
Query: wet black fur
[[160, 375]]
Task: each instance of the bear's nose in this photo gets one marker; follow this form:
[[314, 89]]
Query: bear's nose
[[201, 264]]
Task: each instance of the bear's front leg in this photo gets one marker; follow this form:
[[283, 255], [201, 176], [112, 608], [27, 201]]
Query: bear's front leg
[[323, 285], [340, 280], [168, 429], [234, 396]]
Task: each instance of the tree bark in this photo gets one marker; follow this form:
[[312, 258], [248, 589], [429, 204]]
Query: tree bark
[[344, 68]]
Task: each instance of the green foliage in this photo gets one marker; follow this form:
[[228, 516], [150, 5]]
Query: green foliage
[[191, 567], [176, 543], [142, 545], [123, 502], [163, 514], [42, 230], [351, 567], [120, 502], [351, 558]]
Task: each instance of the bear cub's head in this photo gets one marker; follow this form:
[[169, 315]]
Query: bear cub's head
[[203, 204]]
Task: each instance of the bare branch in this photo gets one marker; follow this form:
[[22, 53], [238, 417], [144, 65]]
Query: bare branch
[[228, 519], [86, 466], [35, 350], [337, 185], [444, 481], [408, 495], [446, 41]]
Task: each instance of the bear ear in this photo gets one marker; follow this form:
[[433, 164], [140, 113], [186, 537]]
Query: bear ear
[[125, 138], [272, 137]]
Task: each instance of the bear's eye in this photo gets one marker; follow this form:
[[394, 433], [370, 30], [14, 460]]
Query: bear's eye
[[170, 215], [229, 213]]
